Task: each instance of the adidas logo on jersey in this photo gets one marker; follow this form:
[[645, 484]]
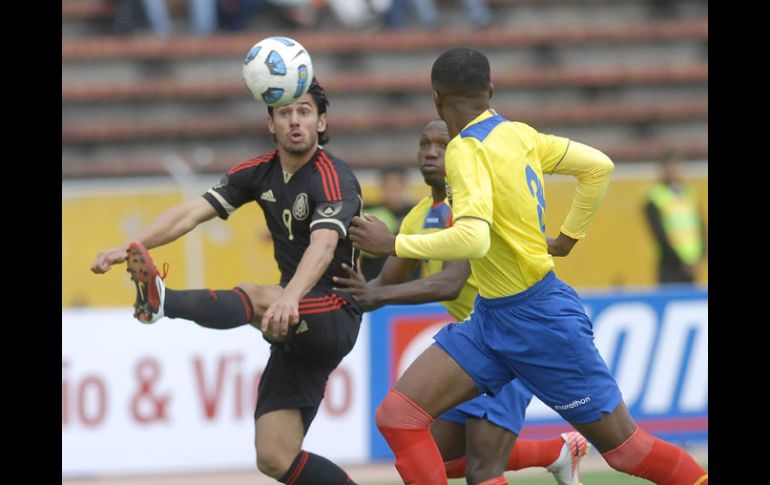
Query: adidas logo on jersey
[[302, 327], [268, 196]]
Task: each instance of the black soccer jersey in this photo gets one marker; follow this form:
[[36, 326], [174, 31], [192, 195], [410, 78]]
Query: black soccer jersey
[[323, 193]]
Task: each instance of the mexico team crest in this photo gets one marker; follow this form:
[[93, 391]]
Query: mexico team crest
[[300, 208]]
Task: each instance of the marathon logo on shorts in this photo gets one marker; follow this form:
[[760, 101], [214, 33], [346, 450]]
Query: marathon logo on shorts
[[573, 404]]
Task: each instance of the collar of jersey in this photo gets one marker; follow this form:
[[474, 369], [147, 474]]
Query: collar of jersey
[[309, 162], [487, 113]]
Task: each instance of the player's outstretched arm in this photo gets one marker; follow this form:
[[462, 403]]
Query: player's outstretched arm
[[593, 170], [285, 310], [167, 227], [443, 286]]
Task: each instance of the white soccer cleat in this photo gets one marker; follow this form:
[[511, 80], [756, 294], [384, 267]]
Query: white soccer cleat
[[565, 468], [150, 290]]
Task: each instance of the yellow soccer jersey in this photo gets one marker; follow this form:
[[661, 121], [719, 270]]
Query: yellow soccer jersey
[[495, 173], [425, 218]]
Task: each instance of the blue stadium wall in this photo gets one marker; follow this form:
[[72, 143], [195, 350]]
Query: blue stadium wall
[[654, 341]]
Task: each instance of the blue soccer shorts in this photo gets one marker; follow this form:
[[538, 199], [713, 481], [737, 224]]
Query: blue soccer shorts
[[505, 410], [543, 337]]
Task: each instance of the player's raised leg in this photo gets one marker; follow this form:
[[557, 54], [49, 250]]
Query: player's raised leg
[[219, 309], [150, 290]]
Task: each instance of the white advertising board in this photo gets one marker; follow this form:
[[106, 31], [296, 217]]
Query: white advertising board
[[174, 396]]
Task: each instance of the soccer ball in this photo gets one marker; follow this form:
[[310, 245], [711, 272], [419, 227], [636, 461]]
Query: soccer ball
[[277, 70]]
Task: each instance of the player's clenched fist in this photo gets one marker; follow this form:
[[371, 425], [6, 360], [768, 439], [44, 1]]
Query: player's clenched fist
[[105, 259], [372, 235]]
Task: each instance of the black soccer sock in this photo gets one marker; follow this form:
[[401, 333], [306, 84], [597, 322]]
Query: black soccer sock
[[310, 469], [220, 309]]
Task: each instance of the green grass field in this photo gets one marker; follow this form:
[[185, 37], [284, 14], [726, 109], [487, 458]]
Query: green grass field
[[588, 478], [596, 478]]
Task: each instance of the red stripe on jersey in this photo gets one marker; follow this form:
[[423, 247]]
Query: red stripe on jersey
[[253, 162], [321, 170], [334, 174]]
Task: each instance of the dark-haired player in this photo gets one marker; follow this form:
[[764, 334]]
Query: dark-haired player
[[526, 323], [308, 197]]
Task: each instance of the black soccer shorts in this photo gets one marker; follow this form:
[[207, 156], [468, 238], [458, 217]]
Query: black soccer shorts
[[297, 371]]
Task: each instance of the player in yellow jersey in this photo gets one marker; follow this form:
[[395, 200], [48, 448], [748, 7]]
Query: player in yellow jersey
[[476, 437], [526, 323]]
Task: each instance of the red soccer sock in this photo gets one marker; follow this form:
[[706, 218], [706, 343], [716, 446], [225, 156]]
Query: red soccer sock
[[534, 453], [525, 454], [406, 428], [646, 456]]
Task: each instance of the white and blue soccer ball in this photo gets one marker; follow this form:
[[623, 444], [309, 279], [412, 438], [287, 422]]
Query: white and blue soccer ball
[[277, 71]]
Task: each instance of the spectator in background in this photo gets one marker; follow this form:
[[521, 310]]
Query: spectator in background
[[427, 13], [236, 14], [358, 14], [203, 16], [394, 206], [127, 14], [299, 13], [676, 223]]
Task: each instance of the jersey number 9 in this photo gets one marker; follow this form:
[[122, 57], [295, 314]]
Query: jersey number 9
[[536, 189]]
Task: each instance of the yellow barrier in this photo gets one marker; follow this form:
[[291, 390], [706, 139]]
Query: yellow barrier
[[619, 249], [221, 254]]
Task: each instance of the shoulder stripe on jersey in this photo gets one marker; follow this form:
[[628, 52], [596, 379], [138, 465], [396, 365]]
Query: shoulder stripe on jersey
[[481, 130], [330, 177], [321, 170], [333, 173], [253, 162]]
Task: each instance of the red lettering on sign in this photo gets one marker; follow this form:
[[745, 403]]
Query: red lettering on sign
[[86, 398], [96, 415], [65, 395], [338, 403], [210, 396]]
